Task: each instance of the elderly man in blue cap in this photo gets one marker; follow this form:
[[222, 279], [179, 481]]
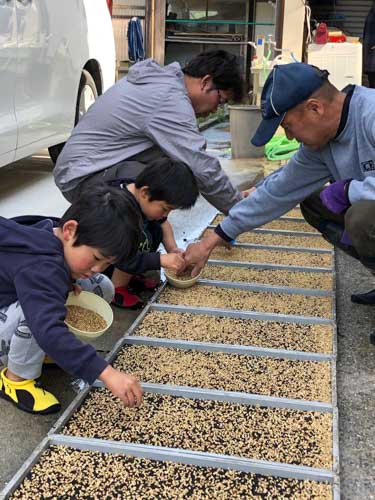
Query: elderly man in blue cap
[[337, 132]]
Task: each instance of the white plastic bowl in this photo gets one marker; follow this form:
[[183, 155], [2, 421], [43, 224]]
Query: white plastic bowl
[[181, 283], [91, 301]]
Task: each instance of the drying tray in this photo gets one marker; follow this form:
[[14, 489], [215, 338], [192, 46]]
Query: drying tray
[[197, 458]]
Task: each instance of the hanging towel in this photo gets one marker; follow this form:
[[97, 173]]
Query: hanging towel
[[135, 40]]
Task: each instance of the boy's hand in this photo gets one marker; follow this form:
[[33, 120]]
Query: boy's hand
[[124, 386], [173, 261]]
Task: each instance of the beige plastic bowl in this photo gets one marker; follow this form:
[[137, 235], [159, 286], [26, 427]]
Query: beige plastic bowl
[[95, 303], [181, 283]]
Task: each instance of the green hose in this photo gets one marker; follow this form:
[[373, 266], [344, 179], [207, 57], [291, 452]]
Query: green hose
[[280, 148]]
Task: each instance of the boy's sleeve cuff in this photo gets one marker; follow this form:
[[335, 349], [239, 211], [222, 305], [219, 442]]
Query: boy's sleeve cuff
[[153, 261], [223, 235]]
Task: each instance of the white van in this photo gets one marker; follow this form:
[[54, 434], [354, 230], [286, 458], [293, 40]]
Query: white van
[[56, 57]]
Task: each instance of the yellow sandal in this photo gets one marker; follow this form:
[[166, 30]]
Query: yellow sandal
[[28, 395]]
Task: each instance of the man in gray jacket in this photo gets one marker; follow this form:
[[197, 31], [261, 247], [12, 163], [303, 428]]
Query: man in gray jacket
[[149, 114], [337, 132]]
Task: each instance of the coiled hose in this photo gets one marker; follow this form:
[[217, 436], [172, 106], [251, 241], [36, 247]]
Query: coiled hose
[[280, 148]]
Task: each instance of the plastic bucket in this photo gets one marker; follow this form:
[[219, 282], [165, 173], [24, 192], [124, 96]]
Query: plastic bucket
[[244, 120]]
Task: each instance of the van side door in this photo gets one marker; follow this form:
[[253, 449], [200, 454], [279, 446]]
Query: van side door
[[49, 71], [8, 69]]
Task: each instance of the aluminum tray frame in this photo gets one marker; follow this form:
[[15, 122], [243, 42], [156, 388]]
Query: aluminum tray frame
[[283, 217], [246, 350], [265, 265], [260, 287], [282, 232], [292, 219], [199, 458], [263, 289], [261, 246]]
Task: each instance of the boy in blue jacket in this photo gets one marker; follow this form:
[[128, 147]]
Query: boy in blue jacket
[[156, 188], [39, 265]]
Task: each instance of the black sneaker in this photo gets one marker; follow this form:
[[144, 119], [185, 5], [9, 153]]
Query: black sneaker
[[366, 299]]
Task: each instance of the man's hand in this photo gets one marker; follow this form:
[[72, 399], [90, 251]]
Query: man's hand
[[197, 254], [124, 386], [173, 261], [177, 250], [335, 196]]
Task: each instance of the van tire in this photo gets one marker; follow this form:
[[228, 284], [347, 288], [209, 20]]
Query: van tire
[[87, 89]]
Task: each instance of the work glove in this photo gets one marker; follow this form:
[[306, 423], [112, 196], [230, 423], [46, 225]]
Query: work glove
[[335, 196], [345, 239]]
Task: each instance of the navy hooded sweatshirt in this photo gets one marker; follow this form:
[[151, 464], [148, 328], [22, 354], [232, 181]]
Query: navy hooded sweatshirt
[[33, 271]]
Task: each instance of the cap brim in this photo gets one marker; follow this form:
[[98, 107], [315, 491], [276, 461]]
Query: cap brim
[[266, 130]]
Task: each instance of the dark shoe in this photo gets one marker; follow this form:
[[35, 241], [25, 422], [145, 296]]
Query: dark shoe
[[139, 283], [372, 338], [127, 300], [48, 361], [367, 299], [28, 395]]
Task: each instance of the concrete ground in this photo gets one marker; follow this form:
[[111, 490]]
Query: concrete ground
[[355, 381], [27, 187]]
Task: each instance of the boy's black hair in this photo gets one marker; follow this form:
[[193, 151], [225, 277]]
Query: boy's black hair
[[107, 220], [222, 66], [169, 181]]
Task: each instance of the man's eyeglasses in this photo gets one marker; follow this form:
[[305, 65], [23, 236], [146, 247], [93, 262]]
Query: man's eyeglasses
[[222, 99]]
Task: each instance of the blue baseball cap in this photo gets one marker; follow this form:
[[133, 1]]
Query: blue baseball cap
[[286, 86]]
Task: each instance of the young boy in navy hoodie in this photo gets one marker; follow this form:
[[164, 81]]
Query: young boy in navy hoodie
[[38, 267]]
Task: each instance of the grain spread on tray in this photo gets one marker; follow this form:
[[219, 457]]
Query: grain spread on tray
[[106, 475]]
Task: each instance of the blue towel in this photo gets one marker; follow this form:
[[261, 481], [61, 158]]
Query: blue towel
[[135, 40]]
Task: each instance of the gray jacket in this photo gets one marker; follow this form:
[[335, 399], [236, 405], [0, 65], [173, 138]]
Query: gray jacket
[[149, 107], [349, 156]]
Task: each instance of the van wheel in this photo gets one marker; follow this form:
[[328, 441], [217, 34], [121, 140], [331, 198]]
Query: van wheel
[[87, 94]]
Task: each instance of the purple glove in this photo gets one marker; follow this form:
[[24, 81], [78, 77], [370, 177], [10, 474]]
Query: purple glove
[[335, 196], [345, 239]]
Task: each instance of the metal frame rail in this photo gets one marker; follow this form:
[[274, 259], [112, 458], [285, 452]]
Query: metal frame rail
[[211, 459], [283, 232]]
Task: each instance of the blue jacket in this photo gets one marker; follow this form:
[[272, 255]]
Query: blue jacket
[[33, 271]]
